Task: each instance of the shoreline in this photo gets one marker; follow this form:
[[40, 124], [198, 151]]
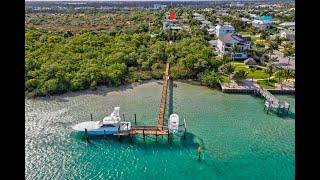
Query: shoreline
[[103, 90]]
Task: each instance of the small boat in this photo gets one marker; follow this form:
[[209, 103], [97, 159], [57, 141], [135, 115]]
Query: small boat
[[173, 123], [109, 125]]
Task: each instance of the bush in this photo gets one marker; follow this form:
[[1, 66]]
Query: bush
[[210, 79]]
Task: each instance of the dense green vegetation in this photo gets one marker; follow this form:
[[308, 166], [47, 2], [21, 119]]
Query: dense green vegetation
[[57, 62]]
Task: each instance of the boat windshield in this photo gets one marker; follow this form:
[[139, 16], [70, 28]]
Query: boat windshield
[[108, 125]]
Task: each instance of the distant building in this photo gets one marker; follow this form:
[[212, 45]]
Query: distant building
[[159, 6], [226, 42], [246, 20], [224, 29], [263, 22], [287, 24], [236, 4]]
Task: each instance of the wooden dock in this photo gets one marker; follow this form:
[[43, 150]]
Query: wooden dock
[[271, 102], [158, 129], [164, 96]]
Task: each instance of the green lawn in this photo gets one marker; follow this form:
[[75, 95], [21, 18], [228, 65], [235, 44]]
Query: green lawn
[[271, 84], [267, 85], [245, 33], [258, 74]]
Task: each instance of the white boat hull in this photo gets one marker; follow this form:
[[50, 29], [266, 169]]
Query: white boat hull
[[109, 125]]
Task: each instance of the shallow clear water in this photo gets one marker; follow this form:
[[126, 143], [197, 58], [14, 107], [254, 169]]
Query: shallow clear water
[[240, 140]]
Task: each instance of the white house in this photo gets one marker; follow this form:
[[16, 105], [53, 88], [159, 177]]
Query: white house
[[263, 22], [287, 24], [287, 34], [224, 29], [225, 43]]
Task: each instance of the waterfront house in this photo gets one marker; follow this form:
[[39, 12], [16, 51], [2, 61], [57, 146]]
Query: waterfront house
[[226, 42]]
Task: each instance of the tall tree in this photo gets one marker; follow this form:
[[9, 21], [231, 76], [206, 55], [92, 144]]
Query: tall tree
[[272, 46], [253, 70], [269, 71], [288, 52], [234, 49], [229, 69]]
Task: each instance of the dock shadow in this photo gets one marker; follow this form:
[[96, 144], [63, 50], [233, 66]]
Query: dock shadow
[[176, 143]]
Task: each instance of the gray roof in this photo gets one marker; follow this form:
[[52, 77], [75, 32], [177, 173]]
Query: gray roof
[[250, 61]]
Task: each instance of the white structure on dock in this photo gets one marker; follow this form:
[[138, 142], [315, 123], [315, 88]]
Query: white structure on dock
[[272, 103]]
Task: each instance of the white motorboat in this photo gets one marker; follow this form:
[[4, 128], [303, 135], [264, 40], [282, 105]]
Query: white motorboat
[[174, 123], [109, 125]]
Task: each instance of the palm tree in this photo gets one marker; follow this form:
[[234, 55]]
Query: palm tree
[[253, 70], [288, 74], [229, 69], [225, 59], [241, 74], [288, 52], [234, 49], [269, 71], [280, 73], [272, 46]]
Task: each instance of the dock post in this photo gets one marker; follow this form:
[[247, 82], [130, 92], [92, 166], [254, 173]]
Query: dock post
[[199, 153], [185, 129], [131, 135], [135, 119], [288, 109], [123, 117], [86, 135], [168, 136], [91, 117], [156, 135], [144, 139]]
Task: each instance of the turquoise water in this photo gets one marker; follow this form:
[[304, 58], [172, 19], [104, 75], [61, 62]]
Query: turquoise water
[[239, 139]]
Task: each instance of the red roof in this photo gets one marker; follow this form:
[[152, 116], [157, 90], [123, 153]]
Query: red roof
[[172, 15]]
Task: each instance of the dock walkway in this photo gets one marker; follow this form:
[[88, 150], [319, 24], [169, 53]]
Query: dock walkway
[[164, 96], [271, 100], [158, 129]]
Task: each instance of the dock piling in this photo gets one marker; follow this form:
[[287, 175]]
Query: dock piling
[[135, 119], [86, 135], [185, 129], [156, 135], [91, 117], [144, 138], [199, 153], [123, 117]]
